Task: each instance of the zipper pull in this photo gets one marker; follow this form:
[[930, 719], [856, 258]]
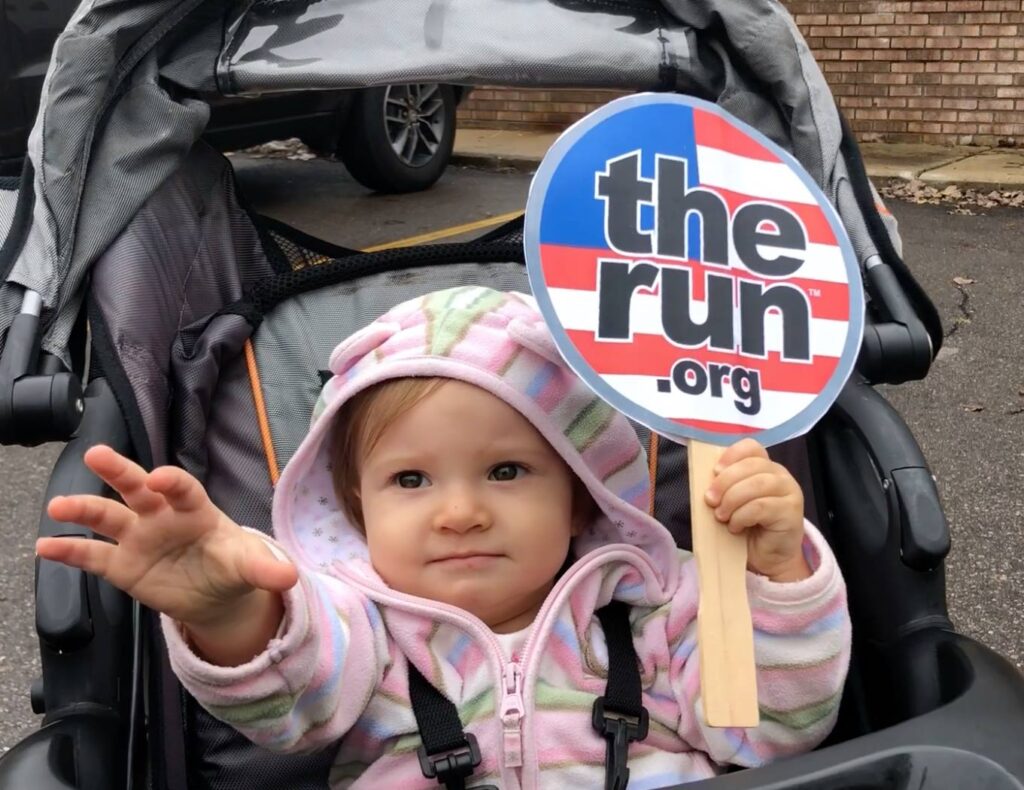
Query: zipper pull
[[512, 712]]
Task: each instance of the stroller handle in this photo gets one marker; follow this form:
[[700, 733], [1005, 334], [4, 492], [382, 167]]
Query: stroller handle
[[896, 346]]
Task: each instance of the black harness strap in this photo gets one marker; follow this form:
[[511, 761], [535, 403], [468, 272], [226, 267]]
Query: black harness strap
[[449, 754], [619, 716]]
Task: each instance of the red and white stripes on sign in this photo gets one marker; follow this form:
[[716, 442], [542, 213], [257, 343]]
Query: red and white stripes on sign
[[741, 171], [575, 268], [578, 311]]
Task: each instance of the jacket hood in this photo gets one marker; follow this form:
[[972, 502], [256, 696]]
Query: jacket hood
[[499, 342]]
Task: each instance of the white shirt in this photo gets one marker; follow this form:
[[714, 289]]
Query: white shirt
[[512, 644]]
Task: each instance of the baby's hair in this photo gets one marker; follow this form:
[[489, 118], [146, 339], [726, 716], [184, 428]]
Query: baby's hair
[[361, 422], [358, 427]]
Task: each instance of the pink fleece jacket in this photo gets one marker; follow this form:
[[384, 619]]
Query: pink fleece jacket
[[338, 668]]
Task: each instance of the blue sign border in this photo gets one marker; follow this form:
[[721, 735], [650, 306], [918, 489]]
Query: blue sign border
[[796, 425]]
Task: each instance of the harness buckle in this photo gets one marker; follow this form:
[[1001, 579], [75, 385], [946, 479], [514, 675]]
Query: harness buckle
[[619, 730], [451, 769]]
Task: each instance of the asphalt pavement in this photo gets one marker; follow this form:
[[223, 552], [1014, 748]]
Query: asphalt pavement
[[968, 414]]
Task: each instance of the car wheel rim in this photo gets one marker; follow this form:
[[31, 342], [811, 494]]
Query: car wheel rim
[[414, 116]]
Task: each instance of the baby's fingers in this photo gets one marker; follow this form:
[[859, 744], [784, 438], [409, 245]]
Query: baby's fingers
[[745, 448], [763, 485], [92, 556], [180, 489], [735, 474], [751, 514], [99, 514], [124, 476]]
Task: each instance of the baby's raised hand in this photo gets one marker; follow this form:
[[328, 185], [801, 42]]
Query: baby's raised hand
[[753, 493], [175, 551]]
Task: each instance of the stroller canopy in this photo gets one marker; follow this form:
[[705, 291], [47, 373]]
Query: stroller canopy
[[123, 100]]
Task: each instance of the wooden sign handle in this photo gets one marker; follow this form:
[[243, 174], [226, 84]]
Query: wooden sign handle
[[725, 633]]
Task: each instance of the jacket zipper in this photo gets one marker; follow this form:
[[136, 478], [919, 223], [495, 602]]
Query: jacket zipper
[[512, 712]]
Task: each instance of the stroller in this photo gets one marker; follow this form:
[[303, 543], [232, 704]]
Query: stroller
[[132, 267]]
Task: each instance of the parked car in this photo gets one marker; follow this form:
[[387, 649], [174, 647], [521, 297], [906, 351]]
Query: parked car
[[396, 138]]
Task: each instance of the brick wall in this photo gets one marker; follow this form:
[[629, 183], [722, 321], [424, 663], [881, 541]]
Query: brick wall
[[517, 108], [950, 71], [934, 71]]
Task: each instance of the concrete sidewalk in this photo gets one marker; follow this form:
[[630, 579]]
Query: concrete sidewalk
[[935, 165]]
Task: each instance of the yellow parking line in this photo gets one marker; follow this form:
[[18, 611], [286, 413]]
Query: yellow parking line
[[445, 233]]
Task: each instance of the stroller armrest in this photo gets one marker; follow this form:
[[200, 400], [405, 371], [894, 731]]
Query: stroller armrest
[[63, 612], [87, 641], [63, 755], [885, 522], [887, 529], [913, 497], [972, 740]]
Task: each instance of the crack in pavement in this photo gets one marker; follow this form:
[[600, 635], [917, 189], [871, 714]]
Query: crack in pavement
[[966, 312], [952, 161]]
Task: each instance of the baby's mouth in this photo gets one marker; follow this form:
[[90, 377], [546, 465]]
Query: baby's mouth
[[469, 559]]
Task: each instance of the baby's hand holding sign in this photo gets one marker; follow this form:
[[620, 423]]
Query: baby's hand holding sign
[[753, 493], [176, 553]]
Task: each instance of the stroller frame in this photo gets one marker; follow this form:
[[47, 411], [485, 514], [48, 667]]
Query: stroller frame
[[914, 681]]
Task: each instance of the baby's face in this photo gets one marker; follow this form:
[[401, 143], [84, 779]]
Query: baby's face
[[465, 503]]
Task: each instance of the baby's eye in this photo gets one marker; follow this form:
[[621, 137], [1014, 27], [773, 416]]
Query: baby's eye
[[410, 479], [506, 472]]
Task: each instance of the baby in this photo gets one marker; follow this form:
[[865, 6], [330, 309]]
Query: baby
[[462, 506]]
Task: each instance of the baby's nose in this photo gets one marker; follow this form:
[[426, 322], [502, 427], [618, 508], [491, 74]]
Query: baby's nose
[[462, 510]]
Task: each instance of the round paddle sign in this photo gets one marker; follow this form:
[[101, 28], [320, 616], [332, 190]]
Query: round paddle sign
[[692, 273]]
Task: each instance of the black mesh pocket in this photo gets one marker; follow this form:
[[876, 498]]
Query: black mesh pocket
[[289, 249], [267, 293]]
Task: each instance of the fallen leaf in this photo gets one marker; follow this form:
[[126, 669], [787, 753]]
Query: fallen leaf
[[974, 407], [960, 197], [964, 280]]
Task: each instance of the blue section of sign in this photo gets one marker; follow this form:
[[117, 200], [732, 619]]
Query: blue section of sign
[[572, 214], [647, 217]]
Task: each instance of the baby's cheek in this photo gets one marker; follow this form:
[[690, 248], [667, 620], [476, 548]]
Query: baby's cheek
[[392, 558], [397, 575], [547, 553]]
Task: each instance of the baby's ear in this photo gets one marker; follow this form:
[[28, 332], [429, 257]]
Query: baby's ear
[[581, 519], [584, 508]]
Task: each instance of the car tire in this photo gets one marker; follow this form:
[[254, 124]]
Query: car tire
[[399, 138]]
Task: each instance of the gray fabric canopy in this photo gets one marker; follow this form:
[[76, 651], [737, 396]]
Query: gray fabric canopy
[[116, 118]]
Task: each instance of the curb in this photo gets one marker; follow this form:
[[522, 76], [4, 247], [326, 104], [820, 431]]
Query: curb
[[881, 173], [496, 163]]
